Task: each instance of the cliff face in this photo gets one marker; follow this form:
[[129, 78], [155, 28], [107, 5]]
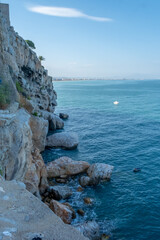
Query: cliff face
[[21, 65], [26, 90]]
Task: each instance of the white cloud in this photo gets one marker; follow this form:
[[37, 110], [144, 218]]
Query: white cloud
[[66, 12]]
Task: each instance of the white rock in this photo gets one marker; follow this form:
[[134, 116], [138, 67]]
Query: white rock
[[63, 140]]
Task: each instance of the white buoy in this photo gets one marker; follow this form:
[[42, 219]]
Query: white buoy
[[116, 102]]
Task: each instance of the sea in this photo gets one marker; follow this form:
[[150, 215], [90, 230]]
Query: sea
[[127, 136]]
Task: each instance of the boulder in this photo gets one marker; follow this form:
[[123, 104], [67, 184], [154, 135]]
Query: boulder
[[39, 127], [72, 210], [59, 192], [64, 115], [66, 166], [87, 181], [89, 229], [55, 122], [61, 211], [63, 140], [36, 175], [100, 171], [80, 212]]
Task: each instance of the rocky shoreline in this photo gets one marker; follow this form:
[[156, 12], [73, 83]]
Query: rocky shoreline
[[30, 191]]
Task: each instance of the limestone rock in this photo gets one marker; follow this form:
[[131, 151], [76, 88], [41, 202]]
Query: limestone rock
[[89, 181], [85, 181], [72, 210], [66, 166], [100, 171], [19, 159], [90, 230], [19, 62], [62, 140], [64, 115], [55, 122], [15, 144], [59, 192], [36, 175], [39, 128], [26, 217], [61, 211]]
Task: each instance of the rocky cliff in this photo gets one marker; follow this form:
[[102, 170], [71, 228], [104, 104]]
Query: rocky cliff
[[27, 102]]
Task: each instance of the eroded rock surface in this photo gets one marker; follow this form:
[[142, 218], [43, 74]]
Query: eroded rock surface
[[28, 217], [59, 192], [39, 127], [19, 159], [63, 140], [66, 166], [100, 171], [90, 230], [61, 211]]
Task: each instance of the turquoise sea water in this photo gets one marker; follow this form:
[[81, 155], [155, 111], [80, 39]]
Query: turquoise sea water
[[126, 136]]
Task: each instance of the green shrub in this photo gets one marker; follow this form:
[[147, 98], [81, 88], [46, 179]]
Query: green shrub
[[4, 95], [41, 58], [35, 114], [29, 98], [30, 44], [19, 88], [1, 172]]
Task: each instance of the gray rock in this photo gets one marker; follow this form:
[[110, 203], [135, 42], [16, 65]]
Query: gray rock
[[39, 128], [66, 166], [89, 229], [63, 140], [55, 122], [59, 192], [85, 181], [100, 171], [35, 218], [64, 115]]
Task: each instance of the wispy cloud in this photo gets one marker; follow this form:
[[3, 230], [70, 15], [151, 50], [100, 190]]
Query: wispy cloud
[[66, 12]]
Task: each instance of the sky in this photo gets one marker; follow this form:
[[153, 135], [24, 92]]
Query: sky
[[110, 39]]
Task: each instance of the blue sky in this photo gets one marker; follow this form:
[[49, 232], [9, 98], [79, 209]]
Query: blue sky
[[92, 38]]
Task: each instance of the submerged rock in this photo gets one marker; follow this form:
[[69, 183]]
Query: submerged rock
[[136, 170], [100, 171], [64, 115], [88, 200], [62, 140], [89, 229], [80, 212], [66, 166], [80, 189], [61, 211]]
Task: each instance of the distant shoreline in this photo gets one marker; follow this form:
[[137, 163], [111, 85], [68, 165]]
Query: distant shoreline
[[98, 79]]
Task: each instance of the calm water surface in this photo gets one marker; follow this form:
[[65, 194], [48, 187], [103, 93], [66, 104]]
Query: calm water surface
[[126, 136]]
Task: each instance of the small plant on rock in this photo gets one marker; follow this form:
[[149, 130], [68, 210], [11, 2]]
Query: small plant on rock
[[41, 58], [30, 44], [4, 95], [35, 114], [19, 87]]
